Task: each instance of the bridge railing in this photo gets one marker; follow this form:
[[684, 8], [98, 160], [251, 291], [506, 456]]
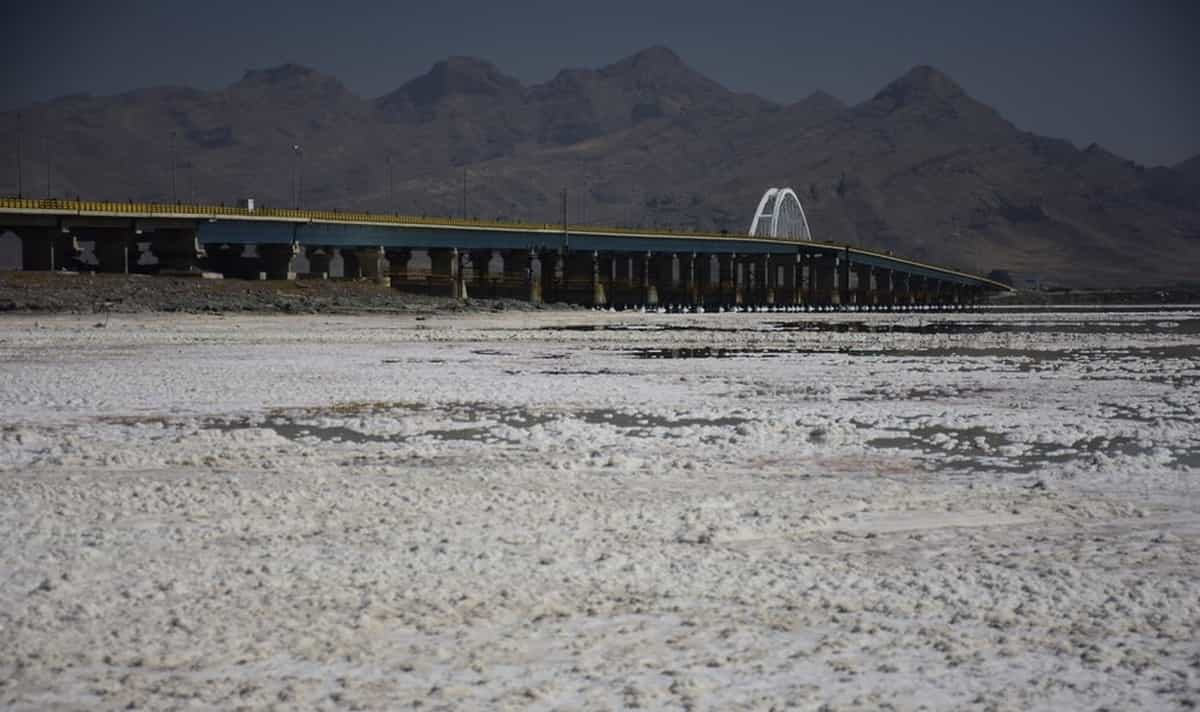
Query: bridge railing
[[201, 211]]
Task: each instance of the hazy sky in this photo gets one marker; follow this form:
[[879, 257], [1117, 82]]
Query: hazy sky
[[1125, 74]]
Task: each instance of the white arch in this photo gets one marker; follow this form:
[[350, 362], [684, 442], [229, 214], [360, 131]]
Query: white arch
[[779, 214]]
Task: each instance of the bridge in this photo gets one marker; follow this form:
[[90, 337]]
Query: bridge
[[775, 263]]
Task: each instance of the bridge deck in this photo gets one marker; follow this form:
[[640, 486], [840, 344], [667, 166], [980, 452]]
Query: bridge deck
[[219, 224]]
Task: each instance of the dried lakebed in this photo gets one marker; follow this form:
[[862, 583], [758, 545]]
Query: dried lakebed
[[546, 511]]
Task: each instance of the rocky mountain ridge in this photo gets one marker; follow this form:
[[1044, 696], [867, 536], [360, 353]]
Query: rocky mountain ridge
[[921, 168]]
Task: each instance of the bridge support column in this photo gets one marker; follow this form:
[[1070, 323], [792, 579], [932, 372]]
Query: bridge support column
[[645, 274], [902, 290], [743, 277], [225, 259], [37, 249], [705, 276], [885, 295], [784, 274], [482, 284], [768, 279], [446, 268], [934, 294], [917, 291], [687, 274], [371, 265], [606, 270], [550, 270], [961, 300], [397, 268], [178, 250], [729, 290], [662, 277], [624, 288], [350, 265], [522, 277], [48, 249], [639, 278], [112, 249], [843, 279], [582, 283], [276, 260], [825, 280], [804, 279], [319, 260], [865, 294]]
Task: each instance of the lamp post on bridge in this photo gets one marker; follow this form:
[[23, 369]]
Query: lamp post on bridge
[[174, 183], [391, 192], [297, 176], [49, 162], [20, 148]]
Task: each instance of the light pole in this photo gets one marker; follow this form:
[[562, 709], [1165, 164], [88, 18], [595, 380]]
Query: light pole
[[297, 176], [174, 185], [391, 194], [464, 192], [20, 168], [49, 162]]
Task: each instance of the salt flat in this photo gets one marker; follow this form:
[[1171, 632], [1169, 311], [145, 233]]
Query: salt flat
[[601, 511]]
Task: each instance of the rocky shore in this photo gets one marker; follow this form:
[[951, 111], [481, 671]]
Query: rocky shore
[[84, 293]]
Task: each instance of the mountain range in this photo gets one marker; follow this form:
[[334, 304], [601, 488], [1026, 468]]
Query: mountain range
[[920, 169]]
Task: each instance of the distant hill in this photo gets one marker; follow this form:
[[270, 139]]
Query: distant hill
[[921, 168], [1190, 170]]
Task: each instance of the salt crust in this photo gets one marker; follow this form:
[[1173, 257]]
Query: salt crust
[[514, 511]]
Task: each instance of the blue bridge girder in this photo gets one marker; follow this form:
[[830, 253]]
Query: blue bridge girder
[[239, 226]]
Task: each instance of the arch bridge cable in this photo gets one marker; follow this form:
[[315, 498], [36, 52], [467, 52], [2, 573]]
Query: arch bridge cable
[[780, 215]]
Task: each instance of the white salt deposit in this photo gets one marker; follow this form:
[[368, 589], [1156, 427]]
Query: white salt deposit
[[543, 511]]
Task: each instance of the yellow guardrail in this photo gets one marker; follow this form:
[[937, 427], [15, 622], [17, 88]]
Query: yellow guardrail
[[200, 211], [206, 211]]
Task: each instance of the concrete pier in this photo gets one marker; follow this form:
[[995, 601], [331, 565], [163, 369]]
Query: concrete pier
[[729, 289], [549, 271], [687, 276], [706, 280], [520, 280], [639, 278], [864, 286], [918, 296], [787, 274], [884, 291], [112, 248], [624, 285], [765, 269], [902, 297], [372, 265], [276, 260], [481, 283], [225, 259], [48, 249], [397, 262], [582, 282], [350, 266], [320, 261], [662, 278], [178, 250], [446, 278], [825, 291]]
